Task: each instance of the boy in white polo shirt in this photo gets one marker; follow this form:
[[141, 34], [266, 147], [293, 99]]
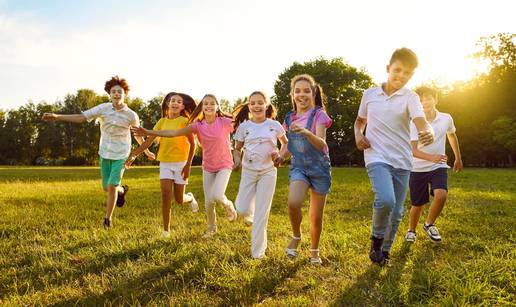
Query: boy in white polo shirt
[[115, 120], [387, 111], [430, 169]]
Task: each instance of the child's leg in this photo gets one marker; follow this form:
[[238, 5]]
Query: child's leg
[[246, 196], [440, 196], [208, 181], [414, 216], [317, 202], [166, 201], [265, 188], [112, 194], [400, 179], [219, 187], [111, 172], [296, 196], [384, 197]]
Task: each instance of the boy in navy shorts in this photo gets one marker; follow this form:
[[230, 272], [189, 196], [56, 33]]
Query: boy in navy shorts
[[430, 168]]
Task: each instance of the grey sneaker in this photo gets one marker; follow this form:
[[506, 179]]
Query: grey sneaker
[[210, 232], [410, 236], [432, 232]]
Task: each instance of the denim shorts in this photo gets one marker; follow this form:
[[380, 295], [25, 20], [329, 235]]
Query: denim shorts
[[318, 177], [420, 182]]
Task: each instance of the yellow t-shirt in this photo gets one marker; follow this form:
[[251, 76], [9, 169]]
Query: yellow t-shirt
[[172, 149]]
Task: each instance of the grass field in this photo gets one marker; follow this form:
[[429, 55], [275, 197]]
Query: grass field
[[54, 251]]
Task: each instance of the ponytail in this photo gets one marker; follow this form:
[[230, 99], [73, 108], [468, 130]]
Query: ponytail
[[319, 97], [241, 114], [270, 112]]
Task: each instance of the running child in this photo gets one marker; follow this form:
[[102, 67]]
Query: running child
[[115, 140], [174, 154], [430, 168], [257, 134]]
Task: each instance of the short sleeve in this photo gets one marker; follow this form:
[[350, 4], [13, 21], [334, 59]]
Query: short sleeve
[[136, 120], [158, 125], [451, 126], [323, 119], [280, 130], [362, 109], [227, 123], [239, 134], [94, 112], [414, 135], [414, 106]]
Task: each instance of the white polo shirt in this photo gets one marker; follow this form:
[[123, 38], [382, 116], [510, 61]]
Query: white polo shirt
[[115, 133], [260, 142], [442, 124], [388, 125]]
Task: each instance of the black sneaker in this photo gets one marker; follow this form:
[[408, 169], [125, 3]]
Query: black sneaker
[[107, 223], [120, 200], [432, 232], [385, 255], [375, 254]]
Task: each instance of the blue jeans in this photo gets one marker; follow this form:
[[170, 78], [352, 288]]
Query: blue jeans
[[390, 190]]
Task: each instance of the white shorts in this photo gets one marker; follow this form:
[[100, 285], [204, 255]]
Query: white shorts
[[172, 170]]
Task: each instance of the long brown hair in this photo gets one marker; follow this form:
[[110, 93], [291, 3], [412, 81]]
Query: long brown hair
[[188, 102], [241, 112], [198, 115], [319, 97]]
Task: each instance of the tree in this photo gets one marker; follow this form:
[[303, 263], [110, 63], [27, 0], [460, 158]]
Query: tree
[[343, 85]]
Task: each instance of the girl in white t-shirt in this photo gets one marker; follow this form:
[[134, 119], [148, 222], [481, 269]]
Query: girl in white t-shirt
[[257, 135]]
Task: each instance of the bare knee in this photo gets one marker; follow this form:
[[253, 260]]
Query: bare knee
[[440, 195]]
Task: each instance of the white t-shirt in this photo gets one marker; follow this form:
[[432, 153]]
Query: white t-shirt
[[260, 141], [388, 119], [442, 124], [115, 133]]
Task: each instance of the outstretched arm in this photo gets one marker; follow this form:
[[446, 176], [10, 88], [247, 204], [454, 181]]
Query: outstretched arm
[[140, 131], [143, 147], [71, 118], [426, 133], [426, 156]]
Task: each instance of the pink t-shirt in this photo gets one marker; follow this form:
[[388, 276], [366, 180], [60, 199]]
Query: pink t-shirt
[[215, 143], [320, 118]]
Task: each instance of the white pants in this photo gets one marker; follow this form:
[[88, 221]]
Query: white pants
[[254, 200], [214, 185]]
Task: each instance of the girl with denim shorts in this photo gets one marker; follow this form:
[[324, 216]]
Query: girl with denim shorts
[[310, 166]]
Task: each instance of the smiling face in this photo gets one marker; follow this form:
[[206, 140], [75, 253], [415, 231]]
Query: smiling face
[[117, 94], [209, 106], [303, 95], [399, 74], [257, 106], [428, 102], [175, 106]]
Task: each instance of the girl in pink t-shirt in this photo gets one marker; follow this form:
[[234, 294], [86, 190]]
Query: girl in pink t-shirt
[[213, 129]]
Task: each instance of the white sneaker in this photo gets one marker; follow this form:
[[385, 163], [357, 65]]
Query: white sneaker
[[410, 236], [193, 204], [231, 212], [165, 234], [432, 233], [210, 233]]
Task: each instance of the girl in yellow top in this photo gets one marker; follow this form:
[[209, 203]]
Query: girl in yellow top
[[175, 154]]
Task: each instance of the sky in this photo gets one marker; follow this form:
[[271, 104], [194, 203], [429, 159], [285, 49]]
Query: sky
[[229, 47]]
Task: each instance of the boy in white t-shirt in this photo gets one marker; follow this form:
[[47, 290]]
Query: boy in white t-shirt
[[388, 110], [115, 120], [430, 169]]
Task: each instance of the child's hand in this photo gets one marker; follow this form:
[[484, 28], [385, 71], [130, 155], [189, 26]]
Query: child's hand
[[457, 165], [129, 161], [278, 160], [298, 129], [139, 131], [150, 155], [439, 159], [237, 164], [426, 137], [186, 171], [49, 117], [362, 142]]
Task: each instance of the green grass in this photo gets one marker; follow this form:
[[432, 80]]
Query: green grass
[[53, 250]]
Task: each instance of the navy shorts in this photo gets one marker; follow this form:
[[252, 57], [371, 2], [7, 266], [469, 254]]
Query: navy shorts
[[420, 182]]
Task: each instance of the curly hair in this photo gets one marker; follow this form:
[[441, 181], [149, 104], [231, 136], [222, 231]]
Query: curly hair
[[116, 81]]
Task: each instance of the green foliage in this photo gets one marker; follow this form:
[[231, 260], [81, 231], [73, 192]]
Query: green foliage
[[54, 251], [343, 86]]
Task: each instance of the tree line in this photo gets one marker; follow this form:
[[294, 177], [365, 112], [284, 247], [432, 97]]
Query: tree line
[[484, 110]]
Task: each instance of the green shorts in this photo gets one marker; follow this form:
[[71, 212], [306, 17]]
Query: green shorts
[[111, 171]]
